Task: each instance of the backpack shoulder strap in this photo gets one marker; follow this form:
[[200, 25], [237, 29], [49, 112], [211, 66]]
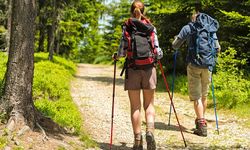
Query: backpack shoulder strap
[[130, 26]]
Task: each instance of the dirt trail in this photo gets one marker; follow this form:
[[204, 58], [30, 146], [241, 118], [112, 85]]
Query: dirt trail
[[92, 92]]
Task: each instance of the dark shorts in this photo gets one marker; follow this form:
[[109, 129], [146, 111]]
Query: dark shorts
[[141, 79]]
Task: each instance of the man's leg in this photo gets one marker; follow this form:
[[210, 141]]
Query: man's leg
[[194, 89], [205, 83], [195, 94], [199, 108], [204, 103]]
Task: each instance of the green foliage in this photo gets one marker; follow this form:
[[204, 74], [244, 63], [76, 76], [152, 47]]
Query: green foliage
[[2, 37], [118, 13], [63, 111], [231, 86], [3, 20], [51, 91], [80, 38], [72, 32], [69, 65], [50, 80], [105, 59], [3, 61], [236, 27], [180, 84], [91, 47], [3, 142], [88, 142]]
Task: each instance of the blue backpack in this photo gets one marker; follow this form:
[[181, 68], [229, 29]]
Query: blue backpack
[[201, 51]]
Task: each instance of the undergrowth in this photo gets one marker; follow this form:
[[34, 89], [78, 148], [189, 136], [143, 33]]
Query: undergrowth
[[51, 91]]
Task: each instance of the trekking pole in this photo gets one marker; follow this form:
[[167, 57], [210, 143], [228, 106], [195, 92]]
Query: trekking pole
[[170, 97], [113, 99], [214, 100], [170, 107]]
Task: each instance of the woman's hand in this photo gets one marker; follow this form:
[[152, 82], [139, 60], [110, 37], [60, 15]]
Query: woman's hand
[[115, 57]]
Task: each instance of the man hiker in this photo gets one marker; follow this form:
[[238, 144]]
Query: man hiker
[[139, 44], [203, 45]]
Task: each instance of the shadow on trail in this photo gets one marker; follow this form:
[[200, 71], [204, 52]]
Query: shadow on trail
[[195, 146], [163, 126], [105, 146], [172, 146], [107, 80]]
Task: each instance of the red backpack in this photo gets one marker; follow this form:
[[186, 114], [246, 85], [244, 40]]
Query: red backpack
[[139, 36]]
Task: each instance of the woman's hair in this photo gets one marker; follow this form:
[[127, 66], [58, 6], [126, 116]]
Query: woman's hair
[[133, 6]]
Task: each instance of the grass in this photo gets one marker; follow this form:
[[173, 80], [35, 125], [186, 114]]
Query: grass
[[88, 142], [242, 112], [3, 142], [51, 91]]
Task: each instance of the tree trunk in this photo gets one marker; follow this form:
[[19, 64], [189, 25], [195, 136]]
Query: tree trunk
[[17, 98], [51, 33], [57, 42], [42, 30], [42, 33]]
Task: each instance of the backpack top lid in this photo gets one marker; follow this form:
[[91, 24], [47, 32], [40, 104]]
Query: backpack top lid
[[207, 22], [143, 26]]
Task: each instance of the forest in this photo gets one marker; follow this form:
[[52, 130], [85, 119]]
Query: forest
[[62, 33], [89, 32]]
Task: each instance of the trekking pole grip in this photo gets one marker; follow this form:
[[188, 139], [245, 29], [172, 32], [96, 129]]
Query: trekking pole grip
[[114, 57]]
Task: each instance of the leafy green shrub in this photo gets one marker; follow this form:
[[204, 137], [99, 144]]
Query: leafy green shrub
[[3, 142], [63, 111], [3, 61], [51, 91], [180, 84], [102, 60], [69, 65], [50, 80], [231, 87]]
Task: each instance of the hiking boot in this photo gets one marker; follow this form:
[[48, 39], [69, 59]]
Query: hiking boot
[[151, 145], [137, 147], [138, 143], [201, 127], [196, 123]]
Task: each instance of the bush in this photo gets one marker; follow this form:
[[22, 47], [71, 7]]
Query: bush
[[180, 84], [51, 91], [3, 58], [231, 86], [50, 80]]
